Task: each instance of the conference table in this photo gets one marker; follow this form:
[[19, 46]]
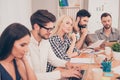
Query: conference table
[[88, 67], [89, 74]]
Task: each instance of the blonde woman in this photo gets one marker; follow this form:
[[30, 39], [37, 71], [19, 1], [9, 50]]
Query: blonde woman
[[63, 40]]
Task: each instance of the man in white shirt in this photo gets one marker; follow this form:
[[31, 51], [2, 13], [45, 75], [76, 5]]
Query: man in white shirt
[[40, 50]]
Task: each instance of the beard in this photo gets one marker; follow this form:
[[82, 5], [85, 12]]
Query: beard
[[82, 26], [107, 26], [42, 36]]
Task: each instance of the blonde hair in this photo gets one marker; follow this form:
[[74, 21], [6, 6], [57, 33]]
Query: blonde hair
[[59, 22]]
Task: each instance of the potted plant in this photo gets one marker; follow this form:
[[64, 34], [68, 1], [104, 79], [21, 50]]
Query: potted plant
[[116, 51]]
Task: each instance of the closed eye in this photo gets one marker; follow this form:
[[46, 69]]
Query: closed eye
[[24, 44]]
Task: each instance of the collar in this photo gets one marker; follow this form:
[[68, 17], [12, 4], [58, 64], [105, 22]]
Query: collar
[[33, 40], [112, 30]]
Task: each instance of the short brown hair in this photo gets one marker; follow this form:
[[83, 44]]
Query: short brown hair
[[42, 17], [105, 15]]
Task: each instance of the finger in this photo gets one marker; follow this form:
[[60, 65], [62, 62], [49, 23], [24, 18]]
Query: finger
[[78, 19], [77, 75], [77, 68]]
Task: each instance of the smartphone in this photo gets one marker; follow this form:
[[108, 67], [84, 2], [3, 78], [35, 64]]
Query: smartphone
[[82, 72]]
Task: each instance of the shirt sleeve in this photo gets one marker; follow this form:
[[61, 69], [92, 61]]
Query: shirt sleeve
[[54, 60], [54, 75], [58, 49]]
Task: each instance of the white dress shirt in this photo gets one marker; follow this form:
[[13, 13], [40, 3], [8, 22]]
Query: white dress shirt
[[38, 55]]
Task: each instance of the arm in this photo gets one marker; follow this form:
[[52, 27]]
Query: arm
[[25, 70], [58, 47], [39, 66], [71, 47], [54, 60], [54, 75], [80, 42], [21, 69], [30, 73]]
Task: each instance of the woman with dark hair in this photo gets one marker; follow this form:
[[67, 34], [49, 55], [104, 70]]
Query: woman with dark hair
[[13, 45]]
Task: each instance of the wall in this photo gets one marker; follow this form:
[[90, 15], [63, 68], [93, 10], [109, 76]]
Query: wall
[[20, 11], [71, 10], [119, 19], [50, 5], [97, 7], [53, 5], [14, 11]]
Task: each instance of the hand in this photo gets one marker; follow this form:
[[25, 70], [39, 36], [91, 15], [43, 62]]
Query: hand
[[20, 60], [74, 54], [76, 28], [74, 72], [73, 37], [84, 32], [24, 58], [70, 73], [77, 21], [72, 65]]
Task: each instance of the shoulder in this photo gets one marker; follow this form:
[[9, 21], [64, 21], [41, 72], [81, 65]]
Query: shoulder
[[98, 31], [45, 42], [55, 37], [115, 30]]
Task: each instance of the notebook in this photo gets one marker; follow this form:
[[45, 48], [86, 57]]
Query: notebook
[[82, 60], [96, 44]]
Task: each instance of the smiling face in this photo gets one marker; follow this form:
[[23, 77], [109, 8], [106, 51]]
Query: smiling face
[[20, 47]]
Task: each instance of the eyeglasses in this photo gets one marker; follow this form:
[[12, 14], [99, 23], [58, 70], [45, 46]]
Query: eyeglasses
[[48, 29]]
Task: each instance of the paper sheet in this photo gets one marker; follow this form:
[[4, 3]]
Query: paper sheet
[[116, 70], [96, 44], [87, 51], [82, 60]]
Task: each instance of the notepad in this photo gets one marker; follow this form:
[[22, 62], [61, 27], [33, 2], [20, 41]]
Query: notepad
[[82, 60], [108, 74], [96, 44], [116, 70], [105, 78]]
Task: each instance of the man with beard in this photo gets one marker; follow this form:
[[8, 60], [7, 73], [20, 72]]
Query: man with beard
[[40, 51], [107, 32], [80, 29]]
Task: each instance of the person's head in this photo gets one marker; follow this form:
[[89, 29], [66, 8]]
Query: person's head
[[106, 20], [64, 25], [42, 22], [14, 41], [83, 16]]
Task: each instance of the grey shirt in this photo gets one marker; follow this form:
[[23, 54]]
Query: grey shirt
[[114, 35]]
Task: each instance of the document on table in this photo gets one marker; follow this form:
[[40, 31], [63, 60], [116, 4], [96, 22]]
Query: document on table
[[96, 44], [116, 70], [87, 51], [82, 60]]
